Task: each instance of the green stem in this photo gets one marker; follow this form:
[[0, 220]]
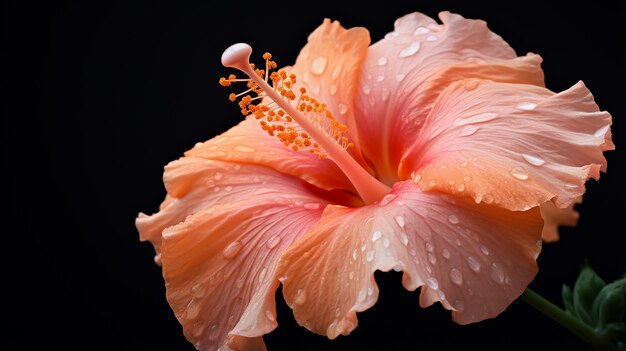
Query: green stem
[[575, 325]]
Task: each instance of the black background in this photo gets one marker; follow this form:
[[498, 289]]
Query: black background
[[100, 96]]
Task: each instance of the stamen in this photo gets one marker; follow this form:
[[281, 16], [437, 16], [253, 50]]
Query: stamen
[[299, 121]]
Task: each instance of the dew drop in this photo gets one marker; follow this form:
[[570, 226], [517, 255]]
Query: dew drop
[[300, 297], [363, 247], [337, 71], [343, 109], [400, 77], [417, 178], [370, 290], [458, 305], [430, 247], [366, 89], [193, 309], [214, 333], [456, 276], [354, 254], [404, 239], [432, 283], [319, 65], [473, 264], [242, 148], [377, 235], [468, 130], [273, 241], [198, 290], [228, 188], [453, 219], [351, 275], [380, 78], [431, 38], [421, 30], [533, 160], [484, 249], [519, 173], [237, 167], [262, 274], [467, 179], [527, 106], [333, 89], [410, 50], [400, 221], [464, 164], [432, 258], [602, 131], [571, 186], [382, 61], [445, 253], [370, 256], [218, 176], [387, 199], [312, 206], [397, 268], [386, 242], [232, 250], [362, 295], [306, 77], [471, 84], [497, 272]]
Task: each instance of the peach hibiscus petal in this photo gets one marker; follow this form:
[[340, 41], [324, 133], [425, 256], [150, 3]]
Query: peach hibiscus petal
[[328, 67], [248, 143], [513, 145], [473, 258], [404, 73], [219, 263], [554, 217]]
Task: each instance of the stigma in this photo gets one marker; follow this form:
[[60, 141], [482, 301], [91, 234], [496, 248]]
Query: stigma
[[297, 119], [270, 114]]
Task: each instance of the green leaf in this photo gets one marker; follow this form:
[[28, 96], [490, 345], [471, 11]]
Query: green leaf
[[610, 304], [568, 300], [587, 287]]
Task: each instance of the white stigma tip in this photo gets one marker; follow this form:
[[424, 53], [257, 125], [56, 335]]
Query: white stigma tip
[[237, 55]]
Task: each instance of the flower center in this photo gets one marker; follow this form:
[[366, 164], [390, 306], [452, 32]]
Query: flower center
[[298, 120]]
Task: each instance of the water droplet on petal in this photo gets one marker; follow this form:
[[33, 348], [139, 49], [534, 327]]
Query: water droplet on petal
[[473, 264], [429, 247], [242, 148], [400, 77], [497, 272], [571, 186], [458, 305], [362, 295], [397, 268], [370, 290], [471, 84], [519, 173], [363, 247], [300, 297], [533, 160], [453, 219], [228, 188], [273, 241], [484, 249], [306, 77], [527, 106], [386, 242], [380, 78], [193, 309], [432, 283], [319, 65], [366, 89], [382, 61], [387, 199], [461, 187], [404, 239], [218, 176], [370, 256], [602, 131], [400, 221], [232, 249], [337, 71], [468, 130], [198, 290], [312, 206], [351, 275], [431, 38], [432, 258], [377, 235], [421, 30], [456, 276], [445, 253], [333, 89], [343, 109], [213, 333], [410, 50]]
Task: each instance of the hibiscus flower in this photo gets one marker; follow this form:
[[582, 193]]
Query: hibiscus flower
[[429, 152]]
